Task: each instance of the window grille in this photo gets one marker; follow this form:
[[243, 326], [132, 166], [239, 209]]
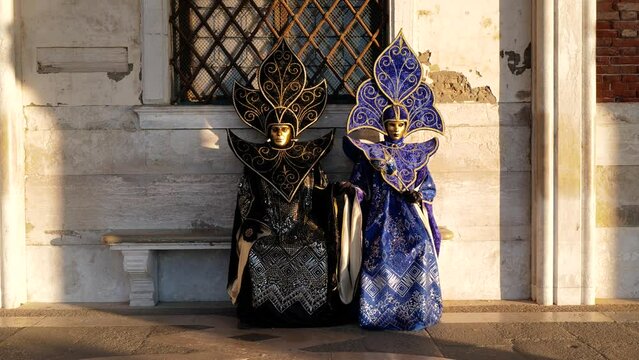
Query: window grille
[[218, 42]]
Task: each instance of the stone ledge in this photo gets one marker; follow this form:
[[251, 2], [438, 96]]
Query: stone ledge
[[216, 236], [191, 117], [139, 254], [166, 117]]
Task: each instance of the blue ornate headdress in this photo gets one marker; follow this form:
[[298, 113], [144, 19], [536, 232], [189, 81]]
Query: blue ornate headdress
[[395, 92]]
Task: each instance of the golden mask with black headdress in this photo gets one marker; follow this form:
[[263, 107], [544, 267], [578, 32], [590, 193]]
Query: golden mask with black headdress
[[281, 108]]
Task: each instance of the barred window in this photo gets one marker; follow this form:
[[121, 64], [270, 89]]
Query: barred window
[[218, 42]]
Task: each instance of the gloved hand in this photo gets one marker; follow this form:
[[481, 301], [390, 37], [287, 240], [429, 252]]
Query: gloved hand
[[346, 187], [412, 196]]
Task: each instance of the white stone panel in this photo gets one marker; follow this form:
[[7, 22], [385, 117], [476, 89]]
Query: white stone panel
[[77, 152], [617, 262], [483, 199], [617, 134], [80, 152], [616, 188], [81, 24], [617, 249], [82, 203], [75, 274], [193, 275], [224, 116], [617, 113], [617, 144], [490, 28], [485, 270], [80, 118], [486, 146], [490, 148], [52, 60], [500, 232]]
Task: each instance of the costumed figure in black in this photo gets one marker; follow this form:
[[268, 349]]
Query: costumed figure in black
[[282, 269]]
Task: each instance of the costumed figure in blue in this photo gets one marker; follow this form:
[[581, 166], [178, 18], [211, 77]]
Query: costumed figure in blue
[[282, 268], [399, 280]]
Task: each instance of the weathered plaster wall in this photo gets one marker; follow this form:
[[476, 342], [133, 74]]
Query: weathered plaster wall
[[80, 135], [485, 43], [478, 55], [617, 200], [91, 167]]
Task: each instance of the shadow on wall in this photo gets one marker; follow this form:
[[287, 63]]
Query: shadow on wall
[[515, 117]]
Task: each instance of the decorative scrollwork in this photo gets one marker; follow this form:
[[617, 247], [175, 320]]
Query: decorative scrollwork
[[397, 81], [283, 169], [282, 96], [408, 160]]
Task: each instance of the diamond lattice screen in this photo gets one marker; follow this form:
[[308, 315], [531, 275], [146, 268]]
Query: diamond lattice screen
[[218, 42]]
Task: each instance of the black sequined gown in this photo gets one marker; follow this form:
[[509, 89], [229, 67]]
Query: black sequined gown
[[289, 276]]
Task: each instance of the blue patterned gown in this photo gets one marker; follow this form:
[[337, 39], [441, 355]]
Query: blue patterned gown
[[399, 277]]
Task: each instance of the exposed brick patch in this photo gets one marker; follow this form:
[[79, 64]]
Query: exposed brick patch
[[608, 15], [628, 5], [617, 50], [623, 25]]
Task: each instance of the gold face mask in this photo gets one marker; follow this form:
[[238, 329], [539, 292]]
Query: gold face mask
[[396, 129], [280, 135]]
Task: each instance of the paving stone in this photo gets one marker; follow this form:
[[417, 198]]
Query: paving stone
[[467, 334], [189, 337], [504, 352], [534, 331], [380, 356], [620, 351], [600, 335], [19, 321], [149, 346], [122, 339], [349, 346], [408, 343], [5, 333], [623, 316], [559, 349], [633, 327], [73, 343], [397, 343], [46, 343]]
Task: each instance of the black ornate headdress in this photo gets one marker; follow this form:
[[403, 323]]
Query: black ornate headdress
[[281, 98]]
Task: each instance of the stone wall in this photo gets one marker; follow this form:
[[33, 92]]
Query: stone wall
[[92, 166], [480, 73], [617, 200], [81, 140], [617, 149]]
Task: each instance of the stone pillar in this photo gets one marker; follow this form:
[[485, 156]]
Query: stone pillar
[[589, 183], [156, 79], [12, 229], [142, 268], [542, 152], [563, 144], [401, 16]]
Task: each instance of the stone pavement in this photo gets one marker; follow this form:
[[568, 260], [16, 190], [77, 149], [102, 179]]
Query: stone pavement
[[469, 330]]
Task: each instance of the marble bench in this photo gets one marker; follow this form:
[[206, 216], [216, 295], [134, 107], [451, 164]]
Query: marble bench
[[139, 251]]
